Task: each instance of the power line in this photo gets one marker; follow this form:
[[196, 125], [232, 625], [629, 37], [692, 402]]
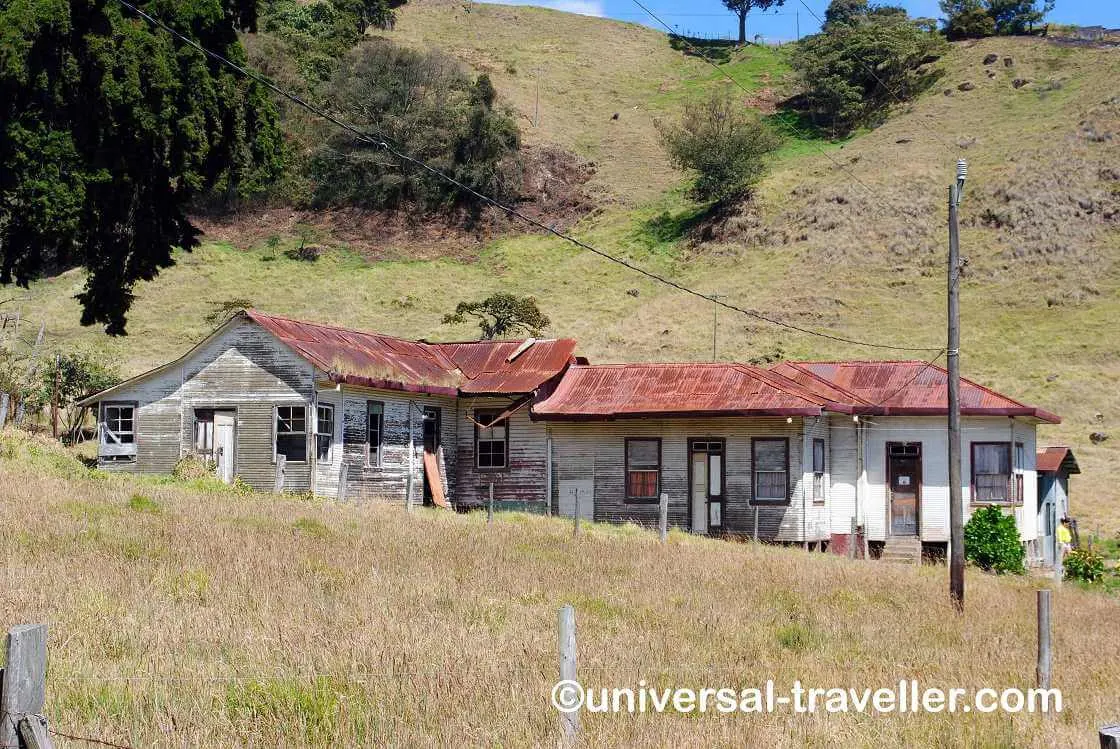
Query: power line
[[910, 382], [383, 143], [782, 123]]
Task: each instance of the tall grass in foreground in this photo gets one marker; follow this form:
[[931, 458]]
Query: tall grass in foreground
[[196, 616]]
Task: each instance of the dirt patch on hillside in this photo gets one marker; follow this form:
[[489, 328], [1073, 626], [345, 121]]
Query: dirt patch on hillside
[[554, 192]]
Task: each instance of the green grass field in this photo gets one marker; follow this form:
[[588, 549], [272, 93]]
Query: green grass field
[[843, 237]]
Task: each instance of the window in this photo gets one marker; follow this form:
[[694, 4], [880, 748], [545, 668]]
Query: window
[[204, 431], [770, 461], [991, 472], [491, 443], [375, 416], [643, 470], [118, 424], [324, 431], [291, 433], [818, 470]]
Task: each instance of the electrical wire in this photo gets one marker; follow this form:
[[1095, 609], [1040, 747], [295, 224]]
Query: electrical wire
[[383, 143]]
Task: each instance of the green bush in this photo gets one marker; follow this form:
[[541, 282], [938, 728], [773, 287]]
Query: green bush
[[1084, 564], [991, 541]]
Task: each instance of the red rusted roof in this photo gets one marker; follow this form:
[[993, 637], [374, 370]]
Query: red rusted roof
[[382, 361], [1054, 459], [903, 388], [621, 390], [488, 369]]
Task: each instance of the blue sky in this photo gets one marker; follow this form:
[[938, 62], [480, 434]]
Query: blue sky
[[710, 16]]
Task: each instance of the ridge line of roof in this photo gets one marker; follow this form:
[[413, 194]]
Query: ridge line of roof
[[827, 382]]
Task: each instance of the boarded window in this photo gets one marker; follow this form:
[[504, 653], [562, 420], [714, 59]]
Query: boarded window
[[291, 433], [492, 440], [991, 472], [643, 469], [818, 470], [375, 420], [119, 425], [770, 461], [324, 431]]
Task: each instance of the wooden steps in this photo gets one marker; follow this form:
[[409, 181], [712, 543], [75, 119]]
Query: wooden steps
[[902, 550]]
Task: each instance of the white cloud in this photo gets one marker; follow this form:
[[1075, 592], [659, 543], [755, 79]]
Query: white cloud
[[580, 7]]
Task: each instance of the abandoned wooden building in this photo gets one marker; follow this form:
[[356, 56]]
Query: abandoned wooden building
[[793, 452]]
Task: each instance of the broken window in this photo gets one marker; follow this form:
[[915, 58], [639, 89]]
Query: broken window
[[324, 431], [991, 472], [204, 432], [118, 431], [491, 441], [818, 470], [375, 415], [770, 462], [643, 469], [291, 433]]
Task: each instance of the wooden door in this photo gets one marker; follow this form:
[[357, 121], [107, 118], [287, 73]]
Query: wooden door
[[904, 482], [432, 419], [224, 450], [699, 492]]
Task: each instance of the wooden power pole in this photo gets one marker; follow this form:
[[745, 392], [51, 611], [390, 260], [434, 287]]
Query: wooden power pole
[[953, 356]]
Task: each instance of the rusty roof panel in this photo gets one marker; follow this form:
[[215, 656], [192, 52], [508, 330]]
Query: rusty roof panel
[[617, 390], [488, 370], [906, 387], [1054, 459]]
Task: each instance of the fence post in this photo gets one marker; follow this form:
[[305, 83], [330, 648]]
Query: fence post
[[281, 462], [343, 480], [5, 400], [1110, 736], [852, 539], [490, 505], [575, 515], [663, 517], [23, 689], [755, 534], [569, 722], [1042, 672]]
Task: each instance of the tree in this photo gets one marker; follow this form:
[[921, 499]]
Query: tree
[[500, 315], [967, 19], [742, 7], [110, 128], [853, 74], [722, 143], [370, 13], [69, 378], [844, 12], [1017, 16], [973, 19]]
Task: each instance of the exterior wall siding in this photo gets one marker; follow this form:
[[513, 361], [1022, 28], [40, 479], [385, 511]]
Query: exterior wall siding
[[524, 478], [595, 451]]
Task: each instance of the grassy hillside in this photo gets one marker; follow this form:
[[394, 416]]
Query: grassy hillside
[[190, 615], [856, 251]]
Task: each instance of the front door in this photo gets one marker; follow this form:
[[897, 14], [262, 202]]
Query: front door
[[1047, 518], [904, 481], [224, 426], [431, 445], [706, 491]]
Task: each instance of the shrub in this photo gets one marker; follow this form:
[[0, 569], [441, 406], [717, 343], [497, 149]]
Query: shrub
[[967, 19], [991, 541], [1084, 564], [192, 468], [722, 144]]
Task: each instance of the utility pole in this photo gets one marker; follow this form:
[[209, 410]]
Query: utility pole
[[953, 356]]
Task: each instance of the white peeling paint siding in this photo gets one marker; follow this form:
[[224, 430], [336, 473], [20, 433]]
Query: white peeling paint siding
[[931, 433], [842, 473], [596, 451], [243, 368], [816, 512], [524, 479]]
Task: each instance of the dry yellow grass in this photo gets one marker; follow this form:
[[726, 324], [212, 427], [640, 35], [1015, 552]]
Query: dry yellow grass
[[190, 615]]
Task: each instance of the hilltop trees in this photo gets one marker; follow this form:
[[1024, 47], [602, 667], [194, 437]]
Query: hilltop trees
[[742, 7], [972, 19], [723, 144], [110, 128], [862, 62]]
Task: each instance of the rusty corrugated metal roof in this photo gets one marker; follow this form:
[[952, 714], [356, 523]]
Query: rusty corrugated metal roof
[[904, 388], [620, 390], [1054, 459], [488, 370], [382, 361]]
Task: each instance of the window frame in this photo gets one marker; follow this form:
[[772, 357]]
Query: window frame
[[770, 502], [117, 451], [276, 431], [319, 435], [478, 418], [380, 435], [819, 487], [628, 499], [1010, 498]]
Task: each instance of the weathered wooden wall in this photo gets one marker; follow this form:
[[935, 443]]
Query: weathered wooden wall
[[524, 478], [596, 451], [816, 512], [389, 481]]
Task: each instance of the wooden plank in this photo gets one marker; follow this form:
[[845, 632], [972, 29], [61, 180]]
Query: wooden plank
[[281, 462], [23, 689], [431, 470], [1042, 671], [569, 721], [33, 731]]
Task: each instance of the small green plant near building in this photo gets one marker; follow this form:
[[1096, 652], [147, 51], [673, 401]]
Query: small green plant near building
[[143, 503], [991, 542], [1085, 565]]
